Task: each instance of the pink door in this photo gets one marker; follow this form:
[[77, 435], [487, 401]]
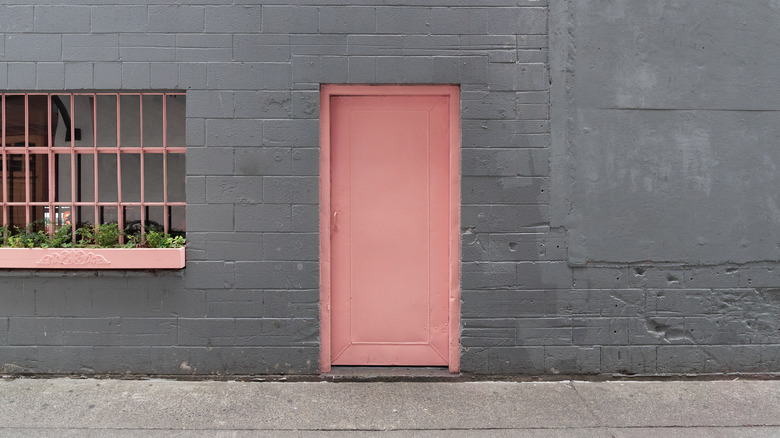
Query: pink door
[[392, 224]]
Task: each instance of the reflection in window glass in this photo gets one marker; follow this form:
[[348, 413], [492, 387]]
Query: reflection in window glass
[[131, 178], [130, 121], [153, 177], [106, 120], [153, 120], [174, 110], [175, 173], [64, 165]]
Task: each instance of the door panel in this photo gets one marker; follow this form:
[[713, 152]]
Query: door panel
[[390, 229]]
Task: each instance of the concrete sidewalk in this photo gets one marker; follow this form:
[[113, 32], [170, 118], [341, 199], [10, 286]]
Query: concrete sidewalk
[[64, 407]]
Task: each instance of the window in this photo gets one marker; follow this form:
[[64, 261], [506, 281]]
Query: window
[[93, 158]]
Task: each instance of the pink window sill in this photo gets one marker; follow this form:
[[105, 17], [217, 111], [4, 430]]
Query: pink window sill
[[91, 258]]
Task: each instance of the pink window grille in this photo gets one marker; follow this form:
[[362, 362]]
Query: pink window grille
[[93, 158]]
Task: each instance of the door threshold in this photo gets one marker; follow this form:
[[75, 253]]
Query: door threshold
[[390, 374]]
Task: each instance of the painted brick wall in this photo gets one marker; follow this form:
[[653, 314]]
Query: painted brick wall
[[248, 300]]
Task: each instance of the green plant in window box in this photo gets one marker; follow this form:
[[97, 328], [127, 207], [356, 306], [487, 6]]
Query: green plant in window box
[[61, 238], [31, 236], [107, 235], [153, 236], [156, 239]]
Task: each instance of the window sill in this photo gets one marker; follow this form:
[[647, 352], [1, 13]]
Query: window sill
[[91, 258]]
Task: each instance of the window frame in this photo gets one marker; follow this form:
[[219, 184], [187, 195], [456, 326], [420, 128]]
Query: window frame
[[87, 258]]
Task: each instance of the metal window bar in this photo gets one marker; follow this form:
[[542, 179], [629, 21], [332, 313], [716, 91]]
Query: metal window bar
[[5, 161], [73, 214], [52, 152], [27, 196], [120, 209], [52, 189]]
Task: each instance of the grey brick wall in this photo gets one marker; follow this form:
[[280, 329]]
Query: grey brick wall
[[248, 300]]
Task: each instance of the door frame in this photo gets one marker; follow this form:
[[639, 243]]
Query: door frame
[[453, 93]]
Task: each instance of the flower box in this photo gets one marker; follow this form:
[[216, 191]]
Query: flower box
[[91, 258]]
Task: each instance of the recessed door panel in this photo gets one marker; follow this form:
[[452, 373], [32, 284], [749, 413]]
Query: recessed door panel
[[390, 230]]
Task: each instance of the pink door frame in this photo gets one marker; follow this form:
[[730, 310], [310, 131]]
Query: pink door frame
[[453, 93]]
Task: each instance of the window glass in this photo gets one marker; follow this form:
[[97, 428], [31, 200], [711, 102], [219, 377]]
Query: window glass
[[93, 158]]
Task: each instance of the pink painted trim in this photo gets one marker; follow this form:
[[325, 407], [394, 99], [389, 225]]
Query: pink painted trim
[[92, 258], [5, 159], [72, 167], [120, 216], [141, 158], [454, 347], [51, 152], [27, 194], [102, 150], [325, 320], [326, 92], [166, 219], [95, 159], [51, 163]]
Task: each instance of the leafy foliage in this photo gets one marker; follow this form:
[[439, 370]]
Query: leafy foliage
[[156, 239], [38, 235]]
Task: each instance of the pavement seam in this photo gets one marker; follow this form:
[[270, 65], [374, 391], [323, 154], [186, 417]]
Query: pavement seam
[[729, 426], [590, 411], [293, 429]]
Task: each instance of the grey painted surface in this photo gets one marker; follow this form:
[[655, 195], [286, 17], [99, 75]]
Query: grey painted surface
[[662, 178], [674, 129], [618, 207]]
